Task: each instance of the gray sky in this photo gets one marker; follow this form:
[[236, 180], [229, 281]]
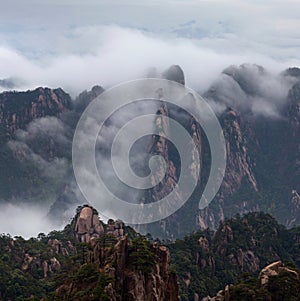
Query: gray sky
[[75, 44]]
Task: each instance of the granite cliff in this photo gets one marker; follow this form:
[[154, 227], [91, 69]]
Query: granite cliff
[[261, 129], [90, 259], [134, 268]]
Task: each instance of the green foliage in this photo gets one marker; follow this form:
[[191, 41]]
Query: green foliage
[[140, 255], [201, 270], [208, 271], [284, 287], [27, 282]]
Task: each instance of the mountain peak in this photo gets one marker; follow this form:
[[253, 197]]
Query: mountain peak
[[175, 73]]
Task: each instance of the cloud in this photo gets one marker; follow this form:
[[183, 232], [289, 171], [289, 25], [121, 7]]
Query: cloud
[[107, 172], [75, 45], [251, 88], [108, 55], [41, 162], [21, 220]]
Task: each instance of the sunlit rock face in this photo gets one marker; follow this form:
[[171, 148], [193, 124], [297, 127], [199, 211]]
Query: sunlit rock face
[[87, 224]]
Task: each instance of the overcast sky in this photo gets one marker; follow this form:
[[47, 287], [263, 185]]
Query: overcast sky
[[75, 43]]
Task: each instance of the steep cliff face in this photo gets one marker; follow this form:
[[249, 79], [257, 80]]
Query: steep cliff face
[[239, 174], [261, 129], [87, 260], [238, 164], [175, 73], [274, 269], [161, 146], [239, 170], [87, 224], [132, 269], [290, 164], [131, 280], [262, 148], [294, 208], [85, 97], [34, 144]]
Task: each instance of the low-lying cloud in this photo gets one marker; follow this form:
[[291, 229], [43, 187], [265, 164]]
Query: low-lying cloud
[[27, 221], [251, 88], [108, 55]]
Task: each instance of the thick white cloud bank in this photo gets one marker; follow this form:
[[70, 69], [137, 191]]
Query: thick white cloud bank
[[108, 55], [26, 221], [75, 44]]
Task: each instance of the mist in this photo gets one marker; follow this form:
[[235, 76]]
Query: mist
[[24, 220], [108, 55], [78, 56]]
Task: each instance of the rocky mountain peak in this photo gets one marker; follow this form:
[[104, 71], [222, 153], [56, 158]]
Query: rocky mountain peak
[[87, 226], [85, 97], [136, 269], [175, 73], [17, 109], [293, 71]]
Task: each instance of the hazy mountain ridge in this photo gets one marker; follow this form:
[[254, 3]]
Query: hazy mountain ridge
[[270, 139], [259, 113], [262, 172]]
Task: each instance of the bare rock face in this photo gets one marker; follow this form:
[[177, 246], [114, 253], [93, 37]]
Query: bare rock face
[[129, 283], [247, 261], [160, 146], [59, 248], [85, 97], [175, 73], [115, 228], [87, 224], [294, 207], [27, 261], [239, 168], [55, 264], [238, 160], [56, 245], [222, 295], [51, 266], [294, 105], [239, 173], [167, 152], [204, 244], [208, 218], [274, 269], [290, 156], [48, 266], [159, 284]]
